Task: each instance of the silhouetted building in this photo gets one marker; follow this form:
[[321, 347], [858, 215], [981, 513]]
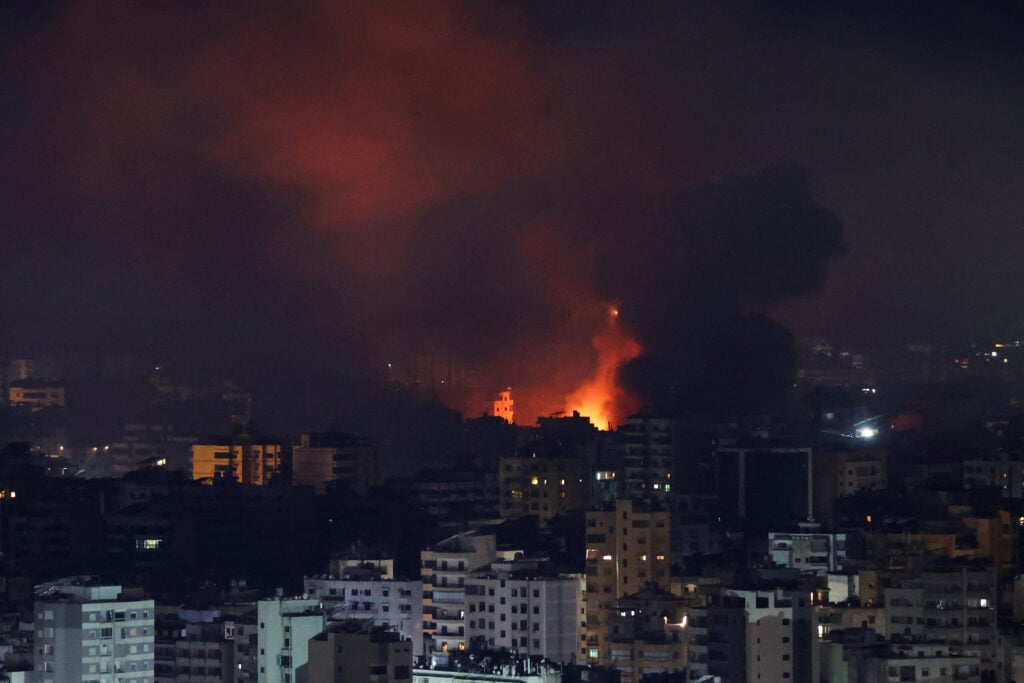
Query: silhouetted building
[[649, 455], [356, 652], [543, 484], [764, 487], [326, 459]]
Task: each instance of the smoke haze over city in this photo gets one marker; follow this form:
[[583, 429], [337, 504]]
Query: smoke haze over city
[[258, 185]]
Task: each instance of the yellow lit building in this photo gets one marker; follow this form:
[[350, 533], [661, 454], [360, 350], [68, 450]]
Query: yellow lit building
[[246, 462], [36, 395], [504, 407]]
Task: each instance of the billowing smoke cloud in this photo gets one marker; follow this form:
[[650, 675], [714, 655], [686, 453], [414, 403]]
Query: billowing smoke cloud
[[696, 279], [349, 185]]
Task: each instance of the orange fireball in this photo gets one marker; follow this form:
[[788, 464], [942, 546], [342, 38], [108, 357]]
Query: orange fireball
[[601, 398]]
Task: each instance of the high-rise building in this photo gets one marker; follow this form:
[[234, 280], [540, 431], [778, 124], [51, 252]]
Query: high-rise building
[[764, 486], [627, 550], [87, 632], [518, 607], [444, 569], [649, 455]]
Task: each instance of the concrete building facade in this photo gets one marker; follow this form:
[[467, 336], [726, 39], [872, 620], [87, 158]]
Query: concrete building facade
[[444, 569], [627, 550], [358, 652], [649, 455], [543, 486], [247, 462], [285, 628], [512, 605], [87, 633], [369, 597]]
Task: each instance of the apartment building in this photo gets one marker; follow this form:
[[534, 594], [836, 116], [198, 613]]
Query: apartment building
[[515, 605], [356, 651], [627, 550], [285, 627], [363, 593], [444, 569], [87, 632], [811, 553]]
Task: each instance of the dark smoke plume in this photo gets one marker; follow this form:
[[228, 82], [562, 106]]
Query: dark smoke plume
[[696, 280], [346, 187]]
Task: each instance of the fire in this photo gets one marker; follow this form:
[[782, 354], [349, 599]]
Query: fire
[[601, 398]]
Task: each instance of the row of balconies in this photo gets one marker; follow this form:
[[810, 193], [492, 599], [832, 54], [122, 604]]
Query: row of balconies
[[197, 671], [198, 654]]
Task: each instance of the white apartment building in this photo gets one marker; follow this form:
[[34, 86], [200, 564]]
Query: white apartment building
[[444, 569], [395, 604], [285, 627], [510, 605], [85, 633]]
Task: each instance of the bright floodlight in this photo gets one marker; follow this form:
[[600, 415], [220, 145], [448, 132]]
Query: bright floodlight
[[866, 432]]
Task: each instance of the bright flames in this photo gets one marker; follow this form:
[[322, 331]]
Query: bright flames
[[601, 398]]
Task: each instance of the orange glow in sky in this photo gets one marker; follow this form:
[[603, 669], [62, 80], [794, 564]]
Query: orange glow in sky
[[601, 398]]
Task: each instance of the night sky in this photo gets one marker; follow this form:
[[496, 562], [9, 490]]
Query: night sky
[[346, 184]]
